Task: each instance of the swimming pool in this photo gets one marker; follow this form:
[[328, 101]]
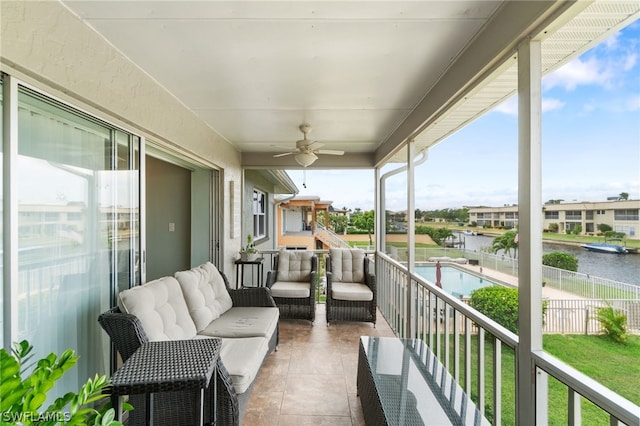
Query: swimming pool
[[454, 281]]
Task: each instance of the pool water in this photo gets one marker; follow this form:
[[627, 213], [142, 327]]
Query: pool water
[[454, 280]]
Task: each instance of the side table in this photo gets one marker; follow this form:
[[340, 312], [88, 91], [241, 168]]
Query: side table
[[166, 367], [240, 264]]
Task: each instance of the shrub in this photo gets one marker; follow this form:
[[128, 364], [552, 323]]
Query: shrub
[[498, 303], [23, 395], [553, 227], [613, 323], [603, 227], [561, 260]]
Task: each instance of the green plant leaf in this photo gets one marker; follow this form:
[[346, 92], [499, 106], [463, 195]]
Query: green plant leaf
[[37, 400]]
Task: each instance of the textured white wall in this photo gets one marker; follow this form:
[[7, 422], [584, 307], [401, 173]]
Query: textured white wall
[[45, 45]]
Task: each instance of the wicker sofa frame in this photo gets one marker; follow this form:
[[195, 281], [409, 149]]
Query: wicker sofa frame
[[293, 307], [352, 310], [171, 408]]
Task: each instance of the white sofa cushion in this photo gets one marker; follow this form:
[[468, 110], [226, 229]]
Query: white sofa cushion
[[291, 289], [244, 322], [351, 292], [347, 265], [242, 358], [294, 265], [161, 309], [205, 293]]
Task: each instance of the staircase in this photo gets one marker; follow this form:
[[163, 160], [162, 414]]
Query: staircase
[[329, 238]]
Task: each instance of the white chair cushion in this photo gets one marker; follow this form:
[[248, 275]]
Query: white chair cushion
[[244, 322], [347, 265], [351, 291], [205, 293], [294, 265], [242, 358], [290, 289], [161, 309]]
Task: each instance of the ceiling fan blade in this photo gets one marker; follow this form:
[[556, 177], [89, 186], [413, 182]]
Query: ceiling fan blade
[[330, 152], [283, 154]]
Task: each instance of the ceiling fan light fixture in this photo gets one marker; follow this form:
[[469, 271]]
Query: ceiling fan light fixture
[[305, 158]]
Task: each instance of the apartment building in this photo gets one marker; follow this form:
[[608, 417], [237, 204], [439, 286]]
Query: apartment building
[[621, 215]]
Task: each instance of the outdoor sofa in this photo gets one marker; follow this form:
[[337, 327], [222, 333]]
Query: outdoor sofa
[[197, 304]]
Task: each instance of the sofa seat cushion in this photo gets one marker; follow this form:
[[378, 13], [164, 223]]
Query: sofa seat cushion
[[243, 359], [351, 292], [161, 309], [244, 322], [205, 293], [290, 289]]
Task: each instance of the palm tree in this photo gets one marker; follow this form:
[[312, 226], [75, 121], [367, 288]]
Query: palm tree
[[506, 242]]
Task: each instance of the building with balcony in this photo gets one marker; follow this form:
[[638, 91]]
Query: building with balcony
[[621, 215]]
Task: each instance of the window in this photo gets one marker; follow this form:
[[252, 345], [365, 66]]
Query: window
[[626, 214], [259, 215], [511, 215], [589, 215], [551, 215]]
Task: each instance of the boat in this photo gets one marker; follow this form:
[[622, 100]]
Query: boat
[[469, 232], [605, 248]]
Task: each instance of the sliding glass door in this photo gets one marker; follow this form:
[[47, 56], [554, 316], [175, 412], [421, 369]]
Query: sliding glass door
[[77, 183]]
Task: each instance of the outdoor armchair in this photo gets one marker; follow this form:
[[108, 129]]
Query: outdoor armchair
[[351, 286], [292, 281]]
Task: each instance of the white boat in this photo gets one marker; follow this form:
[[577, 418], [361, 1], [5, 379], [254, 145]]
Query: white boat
[[469, 232], [605, 248]]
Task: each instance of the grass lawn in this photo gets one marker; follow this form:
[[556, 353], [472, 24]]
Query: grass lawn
[[615, 366]]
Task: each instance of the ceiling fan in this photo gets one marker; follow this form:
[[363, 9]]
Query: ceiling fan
[[307, 150]]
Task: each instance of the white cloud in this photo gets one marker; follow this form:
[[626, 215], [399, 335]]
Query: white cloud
[[510, 106], [630, 61], [549, 104], [633, 103], [579, 72]]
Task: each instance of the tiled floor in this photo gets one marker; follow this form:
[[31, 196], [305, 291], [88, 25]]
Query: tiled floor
[[311, 379]]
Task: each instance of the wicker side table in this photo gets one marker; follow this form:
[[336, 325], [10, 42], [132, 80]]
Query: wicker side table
[[166, 367]]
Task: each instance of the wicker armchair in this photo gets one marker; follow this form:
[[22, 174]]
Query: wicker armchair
[[171, 408], [292, 281], [351, 286]]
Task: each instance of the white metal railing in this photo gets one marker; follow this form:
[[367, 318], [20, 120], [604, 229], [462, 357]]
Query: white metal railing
[[455, 332], [583, 285], [579, 316]]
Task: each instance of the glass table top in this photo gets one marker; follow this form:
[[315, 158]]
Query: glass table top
[[414, 388]]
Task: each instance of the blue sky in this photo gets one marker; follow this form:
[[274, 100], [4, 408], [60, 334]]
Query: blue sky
[[590, 143]]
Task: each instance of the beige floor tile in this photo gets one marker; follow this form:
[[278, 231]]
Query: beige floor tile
[[311, 379], [315, 395]]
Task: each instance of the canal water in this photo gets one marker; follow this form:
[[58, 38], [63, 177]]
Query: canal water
[[618, 267]]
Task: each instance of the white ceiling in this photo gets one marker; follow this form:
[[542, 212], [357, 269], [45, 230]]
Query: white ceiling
[[365, 74]]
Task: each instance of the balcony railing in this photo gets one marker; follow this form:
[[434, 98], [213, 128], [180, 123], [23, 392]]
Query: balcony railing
[[456, 334]]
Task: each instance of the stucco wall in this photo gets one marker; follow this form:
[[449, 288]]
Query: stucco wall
[[43, 44]]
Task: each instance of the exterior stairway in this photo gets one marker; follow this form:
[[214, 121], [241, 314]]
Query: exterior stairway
[[329, 238]]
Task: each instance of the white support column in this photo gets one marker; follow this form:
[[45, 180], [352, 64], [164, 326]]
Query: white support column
[[530, 227], [411, 249], [411, 206], [379, 211]]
